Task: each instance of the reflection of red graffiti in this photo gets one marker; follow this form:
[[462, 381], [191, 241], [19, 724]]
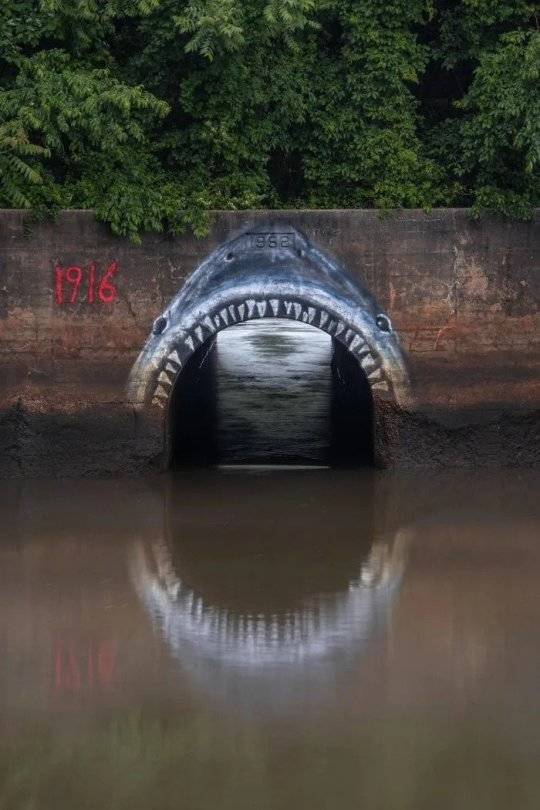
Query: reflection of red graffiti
[[77, 670], [72, 278]]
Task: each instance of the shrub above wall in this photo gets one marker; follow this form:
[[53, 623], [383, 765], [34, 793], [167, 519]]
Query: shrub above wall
[[155, 111]]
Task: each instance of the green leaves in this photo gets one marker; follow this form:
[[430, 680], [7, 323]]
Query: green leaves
[[364, 149], [214, 26], [504, 101], [492, 136], [153, 112], [17, 175], [288, 16], [73, 107]]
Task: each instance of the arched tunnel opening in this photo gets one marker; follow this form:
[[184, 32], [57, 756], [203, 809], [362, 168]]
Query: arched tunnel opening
[[215, 383], [269, 392]]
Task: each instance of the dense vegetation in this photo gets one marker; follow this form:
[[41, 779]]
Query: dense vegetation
[[155, 111]]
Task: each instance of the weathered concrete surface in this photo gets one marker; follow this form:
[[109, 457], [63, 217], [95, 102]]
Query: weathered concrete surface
[[462, 296]]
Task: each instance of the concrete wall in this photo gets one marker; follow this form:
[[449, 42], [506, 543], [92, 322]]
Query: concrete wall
[[462, 295]]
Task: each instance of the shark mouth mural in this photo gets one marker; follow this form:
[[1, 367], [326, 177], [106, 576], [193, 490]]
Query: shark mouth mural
[[273, 272]]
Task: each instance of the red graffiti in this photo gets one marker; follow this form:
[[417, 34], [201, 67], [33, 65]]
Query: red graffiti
[[81, 670], [70, 281]]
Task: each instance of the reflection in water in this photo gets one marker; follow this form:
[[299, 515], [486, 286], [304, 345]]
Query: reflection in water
[[283, 656], [283, 608], [321, 626], [314, 639]]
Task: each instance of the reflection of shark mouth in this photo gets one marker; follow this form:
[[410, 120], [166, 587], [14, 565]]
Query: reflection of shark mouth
[[320, 627]]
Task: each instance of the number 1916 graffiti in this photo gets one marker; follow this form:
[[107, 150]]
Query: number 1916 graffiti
[[74, 284]]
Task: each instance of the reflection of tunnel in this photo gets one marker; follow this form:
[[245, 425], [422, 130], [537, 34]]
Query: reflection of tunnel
[[275, 273], [270, 595], [272, 391]]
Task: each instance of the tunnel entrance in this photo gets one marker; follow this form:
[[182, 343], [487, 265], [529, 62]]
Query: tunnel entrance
[[270, 272], [272, 392]]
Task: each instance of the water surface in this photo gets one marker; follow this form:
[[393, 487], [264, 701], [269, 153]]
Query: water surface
[[271, 639]]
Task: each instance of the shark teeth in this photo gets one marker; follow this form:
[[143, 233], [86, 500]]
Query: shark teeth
[[209, 324], [164, 378], [174, 358], [376, 375], [368, 363], [381, 385], [253, 308], [161, 393], [355, 343]]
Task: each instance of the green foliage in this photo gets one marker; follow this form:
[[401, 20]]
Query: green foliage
[[364, 148], [214, 26], [501, 132], [488, 140], [153, 112], [18, 177]]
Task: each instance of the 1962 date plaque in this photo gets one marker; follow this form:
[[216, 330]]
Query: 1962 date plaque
[[271, 240]]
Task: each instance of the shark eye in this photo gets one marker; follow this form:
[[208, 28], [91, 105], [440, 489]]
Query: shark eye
[[383, 322], [160, 324]]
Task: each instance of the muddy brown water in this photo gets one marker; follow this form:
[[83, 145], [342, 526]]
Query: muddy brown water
[[271, 639], [268, 638]]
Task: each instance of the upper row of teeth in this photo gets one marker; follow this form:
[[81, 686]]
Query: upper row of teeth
[[236, 313]]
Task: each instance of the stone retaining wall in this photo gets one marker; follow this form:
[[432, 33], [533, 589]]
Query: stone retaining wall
[[77, 304]]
